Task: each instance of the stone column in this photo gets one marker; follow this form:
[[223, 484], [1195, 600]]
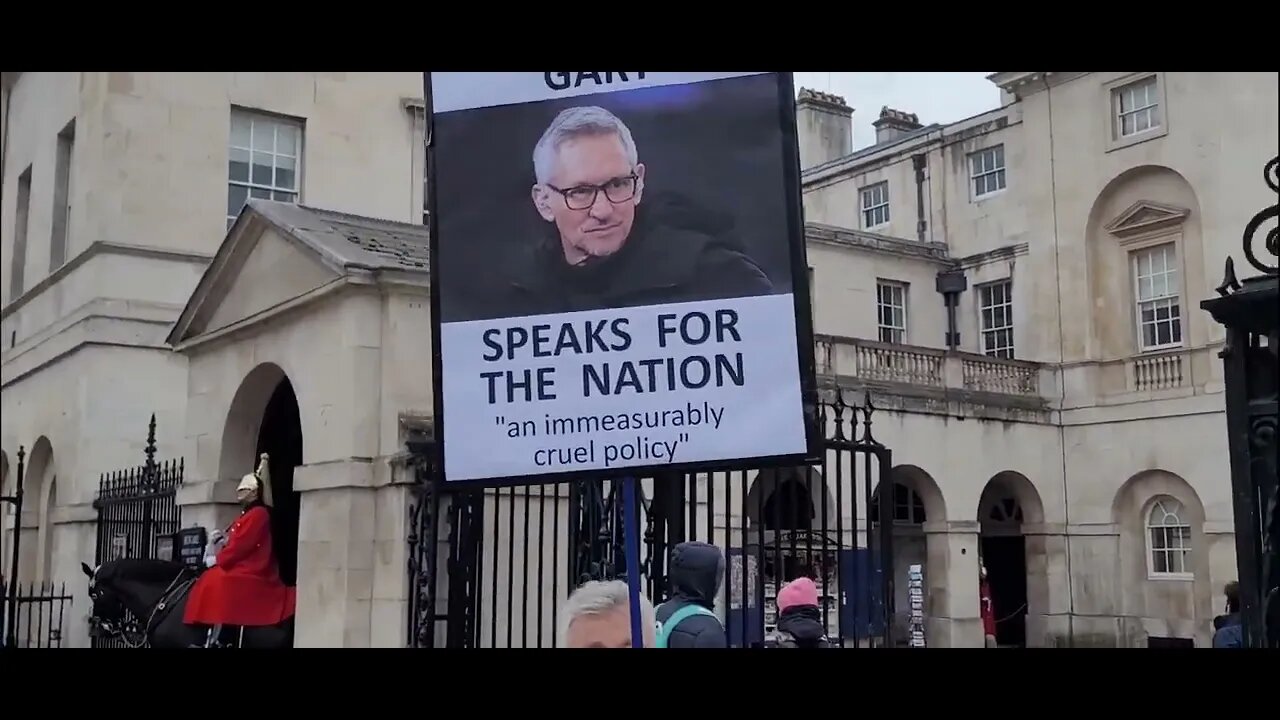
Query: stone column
[[336, 546], [75, 532], [391, 586], [1048, 584], [953, 614]]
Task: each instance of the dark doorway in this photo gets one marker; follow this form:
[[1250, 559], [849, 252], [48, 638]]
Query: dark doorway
[[1169, 642], [281, 437], [1006, 561]]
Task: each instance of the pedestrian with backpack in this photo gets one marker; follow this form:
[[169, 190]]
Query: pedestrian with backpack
[[799, 619], [688, 619]]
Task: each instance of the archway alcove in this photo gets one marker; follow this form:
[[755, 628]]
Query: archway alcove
[[265, 418], [1015, 562], [916, 499]]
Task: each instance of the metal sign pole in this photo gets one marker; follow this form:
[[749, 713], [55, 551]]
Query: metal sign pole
[[10, 629], [631, 508]]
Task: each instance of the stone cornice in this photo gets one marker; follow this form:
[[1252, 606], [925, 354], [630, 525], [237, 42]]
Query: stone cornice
[[102, 247], [846, 237]]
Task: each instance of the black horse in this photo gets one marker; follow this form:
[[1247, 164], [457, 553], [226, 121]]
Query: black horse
[[155, 592]]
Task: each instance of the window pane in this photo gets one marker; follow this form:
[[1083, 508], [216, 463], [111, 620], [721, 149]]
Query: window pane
[[240, 131], [238, 165], [283, 196], [260, 193], [236, 195], [285, 167], [287, 140], [261, 169], [264, 136]]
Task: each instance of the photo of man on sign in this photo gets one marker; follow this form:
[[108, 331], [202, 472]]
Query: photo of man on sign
[[617, 269], [606, 252]]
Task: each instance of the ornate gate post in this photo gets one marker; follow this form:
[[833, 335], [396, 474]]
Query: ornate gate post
[[1248, 310]]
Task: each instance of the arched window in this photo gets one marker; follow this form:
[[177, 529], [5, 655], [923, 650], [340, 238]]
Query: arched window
[[1168, 539], [908, 506]]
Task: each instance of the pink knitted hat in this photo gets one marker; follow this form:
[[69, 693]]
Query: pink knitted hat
[[800, 591]]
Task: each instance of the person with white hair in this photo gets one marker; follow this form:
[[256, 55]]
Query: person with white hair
[[598, 615]]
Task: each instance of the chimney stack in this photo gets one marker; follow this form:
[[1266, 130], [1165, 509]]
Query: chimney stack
[[893, 124], [824, 123]]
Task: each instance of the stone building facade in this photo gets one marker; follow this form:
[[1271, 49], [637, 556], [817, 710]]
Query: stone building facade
[[1062, 420]]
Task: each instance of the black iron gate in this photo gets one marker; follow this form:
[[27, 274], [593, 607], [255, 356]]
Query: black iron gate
[[32, 615], [1249, 311], [489, 568], [138, 514]]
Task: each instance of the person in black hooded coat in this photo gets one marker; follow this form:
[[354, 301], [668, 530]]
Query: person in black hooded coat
[[695, 572]]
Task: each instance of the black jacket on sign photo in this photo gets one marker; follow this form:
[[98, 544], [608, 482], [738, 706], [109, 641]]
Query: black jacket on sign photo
[[695, 572], [676, 252]]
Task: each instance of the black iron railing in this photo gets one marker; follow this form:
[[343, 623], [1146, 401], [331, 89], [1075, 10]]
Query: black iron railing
[[489, 568]]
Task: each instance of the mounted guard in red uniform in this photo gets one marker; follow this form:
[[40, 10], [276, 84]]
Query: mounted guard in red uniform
[[242, 585]]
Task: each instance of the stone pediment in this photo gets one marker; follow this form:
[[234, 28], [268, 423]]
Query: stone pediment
[[1145, 217], [279, 255]]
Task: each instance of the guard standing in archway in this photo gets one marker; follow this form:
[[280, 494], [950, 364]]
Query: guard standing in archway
[[987, 608], [243, 586]]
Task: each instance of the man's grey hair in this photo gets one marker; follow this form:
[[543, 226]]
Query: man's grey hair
[[597, 597], [571, 123]]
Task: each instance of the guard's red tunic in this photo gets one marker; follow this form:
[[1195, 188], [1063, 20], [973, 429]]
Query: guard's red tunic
[[244, 587]]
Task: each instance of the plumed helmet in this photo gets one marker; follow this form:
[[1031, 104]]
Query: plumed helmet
[[259, 480]]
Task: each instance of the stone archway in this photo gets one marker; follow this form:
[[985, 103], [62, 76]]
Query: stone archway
[[264, 418], [916, 500], [1163, 587], [35, 562], [790, 498], [791, 521], [1015, 562]]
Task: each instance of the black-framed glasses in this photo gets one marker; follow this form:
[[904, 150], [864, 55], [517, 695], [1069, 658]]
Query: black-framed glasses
[[581, 197]]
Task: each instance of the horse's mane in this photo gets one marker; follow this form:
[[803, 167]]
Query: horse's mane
[[140, 570]]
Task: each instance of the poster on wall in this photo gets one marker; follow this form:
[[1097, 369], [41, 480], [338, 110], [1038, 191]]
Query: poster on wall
[[618, 274]]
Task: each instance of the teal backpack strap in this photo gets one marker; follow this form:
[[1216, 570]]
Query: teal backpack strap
[[679, 616]]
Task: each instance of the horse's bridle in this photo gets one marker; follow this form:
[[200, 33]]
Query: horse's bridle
[[161, 604]]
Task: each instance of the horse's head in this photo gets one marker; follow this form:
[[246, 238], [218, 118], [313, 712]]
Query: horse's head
[[107, 611], [127, 584]]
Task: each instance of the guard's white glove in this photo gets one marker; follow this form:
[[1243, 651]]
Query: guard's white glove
[[217, 537], [210, 560]]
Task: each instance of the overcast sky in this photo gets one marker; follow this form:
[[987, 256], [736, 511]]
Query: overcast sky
[[940, 97]]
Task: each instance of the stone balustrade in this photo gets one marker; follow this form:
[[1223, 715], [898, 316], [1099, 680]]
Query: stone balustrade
[[910, 365]]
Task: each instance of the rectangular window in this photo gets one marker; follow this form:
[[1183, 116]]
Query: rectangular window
[[995, 305], [264, 160], [62, 196], [1137, 107], [875, 205], [1159, 310], [986, 170], [891, 310], [17, 272]]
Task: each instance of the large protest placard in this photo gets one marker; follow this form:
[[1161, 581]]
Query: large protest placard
[[618, 275]]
